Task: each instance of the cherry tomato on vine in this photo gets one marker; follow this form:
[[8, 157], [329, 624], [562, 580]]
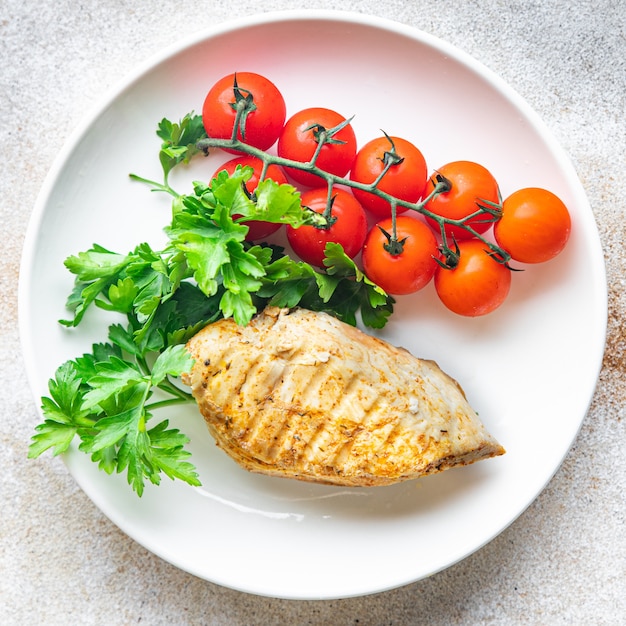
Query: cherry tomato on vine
[[477, 285], [262, 125], [257, 229], [348, 229], [411, 266], [534, 227], [300, 137], [405, 179], [471, 185]]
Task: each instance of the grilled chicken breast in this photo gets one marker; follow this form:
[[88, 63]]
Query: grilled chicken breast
[[303, 395]]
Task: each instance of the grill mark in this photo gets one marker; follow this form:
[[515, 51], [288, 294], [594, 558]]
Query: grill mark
[[385, 445], [250, 379], [258, 437], [254, 398], [391, 455], [287, 416], [344, 426], [321, 377], [272, 378], [271, 407], [355, 401], [370, 414], [309, 452], [231, 378], [275, 412], [344, 452], [218, 361], [327, 428], [299, 380], [347, 392], [280, 435]]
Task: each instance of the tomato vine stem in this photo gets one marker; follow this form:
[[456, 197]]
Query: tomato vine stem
[[243, 105], [449, 250]]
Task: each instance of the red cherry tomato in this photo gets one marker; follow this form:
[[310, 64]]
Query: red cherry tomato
[[262, 125], [348, 229], [405, 180], [471, 184], [411, 269], [299, 140], [535, 225], [477, 285], [257, 229]]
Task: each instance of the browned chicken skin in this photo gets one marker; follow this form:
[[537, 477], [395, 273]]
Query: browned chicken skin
[[302, 395]]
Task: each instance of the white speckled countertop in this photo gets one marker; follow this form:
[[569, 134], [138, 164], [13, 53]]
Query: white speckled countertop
[[562, 562]]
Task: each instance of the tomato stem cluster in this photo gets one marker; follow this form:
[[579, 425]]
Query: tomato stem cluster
[[243, 106], [449, 250]]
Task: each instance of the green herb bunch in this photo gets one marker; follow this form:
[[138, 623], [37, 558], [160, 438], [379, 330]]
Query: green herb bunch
[[207, 270]]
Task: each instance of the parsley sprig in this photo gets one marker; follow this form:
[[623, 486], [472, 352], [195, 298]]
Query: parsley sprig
[[107, 398], [104, 399]]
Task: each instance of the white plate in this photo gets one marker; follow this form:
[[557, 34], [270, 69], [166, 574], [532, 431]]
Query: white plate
[[529, 369]]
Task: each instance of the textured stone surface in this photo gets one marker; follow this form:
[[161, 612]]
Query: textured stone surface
[[562, 562]]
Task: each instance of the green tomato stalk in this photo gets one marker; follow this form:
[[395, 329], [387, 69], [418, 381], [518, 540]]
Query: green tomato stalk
[[490, 211]]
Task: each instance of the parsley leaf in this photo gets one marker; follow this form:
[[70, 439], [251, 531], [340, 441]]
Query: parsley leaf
[[97, 262], [63, 413], [111, 377], [179, 141], [214, 250], [363, 295], [168, 453], [173, 361], [343, 290]]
